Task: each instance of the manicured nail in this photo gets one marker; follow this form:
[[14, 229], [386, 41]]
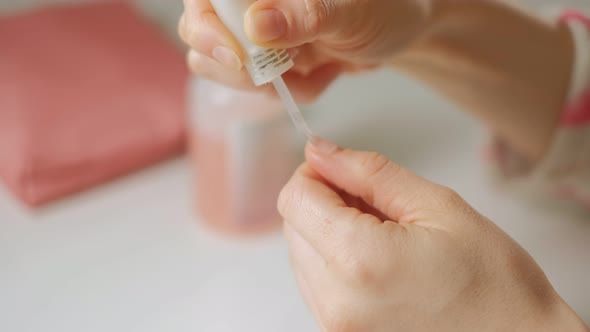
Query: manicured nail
[[267, 24], [323, 146], [227, 57]]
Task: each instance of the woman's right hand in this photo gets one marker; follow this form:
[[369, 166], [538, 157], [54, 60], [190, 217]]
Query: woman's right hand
[[328, 36], [375, 247]]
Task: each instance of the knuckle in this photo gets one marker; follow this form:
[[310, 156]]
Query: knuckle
[[376, 170], [290, 196], [449, 198], [194, 31], [374, 164], [191, 34], [316, 13], [207, 19], [355, 262], [356, 269]]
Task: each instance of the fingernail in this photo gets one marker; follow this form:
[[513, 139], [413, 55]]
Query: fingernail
[[323, 146], [227, 57], [267, 24]]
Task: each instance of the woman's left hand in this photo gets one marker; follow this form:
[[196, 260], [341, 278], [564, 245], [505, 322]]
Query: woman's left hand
[[377, 248]]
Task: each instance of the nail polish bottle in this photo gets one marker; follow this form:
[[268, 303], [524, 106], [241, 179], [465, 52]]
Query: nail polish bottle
[[243, 151]]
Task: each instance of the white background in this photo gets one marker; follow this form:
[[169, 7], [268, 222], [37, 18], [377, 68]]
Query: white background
[[131, 255]]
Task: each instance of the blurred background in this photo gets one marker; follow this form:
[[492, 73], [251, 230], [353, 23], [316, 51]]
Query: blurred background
[[106, 223]]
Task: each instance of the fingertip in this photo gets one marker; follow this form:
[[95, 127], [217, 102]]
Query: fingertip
[[206, 34], [210, 69], [322, 147], [227, 57], [265, 25], [320, 154]]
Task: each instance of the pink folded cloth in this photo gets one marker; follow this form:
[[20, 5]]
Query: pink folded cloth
[[86, 93]]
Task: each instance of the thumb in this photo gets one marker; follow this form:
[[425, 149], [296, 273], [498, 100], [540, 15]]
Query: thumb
[[391, 189], [285, 24]]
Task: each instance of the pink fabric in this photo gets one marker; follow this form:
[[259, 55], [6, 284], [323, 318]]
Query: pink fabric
[[86, 93]]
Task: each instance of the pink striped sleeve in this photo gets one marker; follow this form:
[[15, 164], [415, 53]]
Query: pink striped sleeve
[[577, 111], [566, 168]]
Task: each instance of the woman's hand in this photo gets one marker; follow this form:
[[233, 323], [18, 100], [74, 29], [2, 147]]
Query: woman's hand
[[377, 248], [329, 36]]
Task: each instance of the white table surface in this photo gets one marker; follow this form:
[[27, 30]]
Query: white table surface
[[131, 255]]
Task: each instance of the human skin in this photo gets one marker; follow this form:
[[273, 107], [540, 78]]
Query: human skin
[[499, 63], [377, 248], [374, 247]]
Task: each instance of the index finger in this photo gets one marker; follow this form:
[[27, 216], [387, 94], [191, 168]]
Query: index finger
[[321, 216], [202, 29]]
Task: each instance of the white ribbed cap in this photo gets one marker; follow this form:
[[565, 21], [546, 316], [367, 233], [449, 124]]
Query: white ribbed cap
[[264, 65]]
